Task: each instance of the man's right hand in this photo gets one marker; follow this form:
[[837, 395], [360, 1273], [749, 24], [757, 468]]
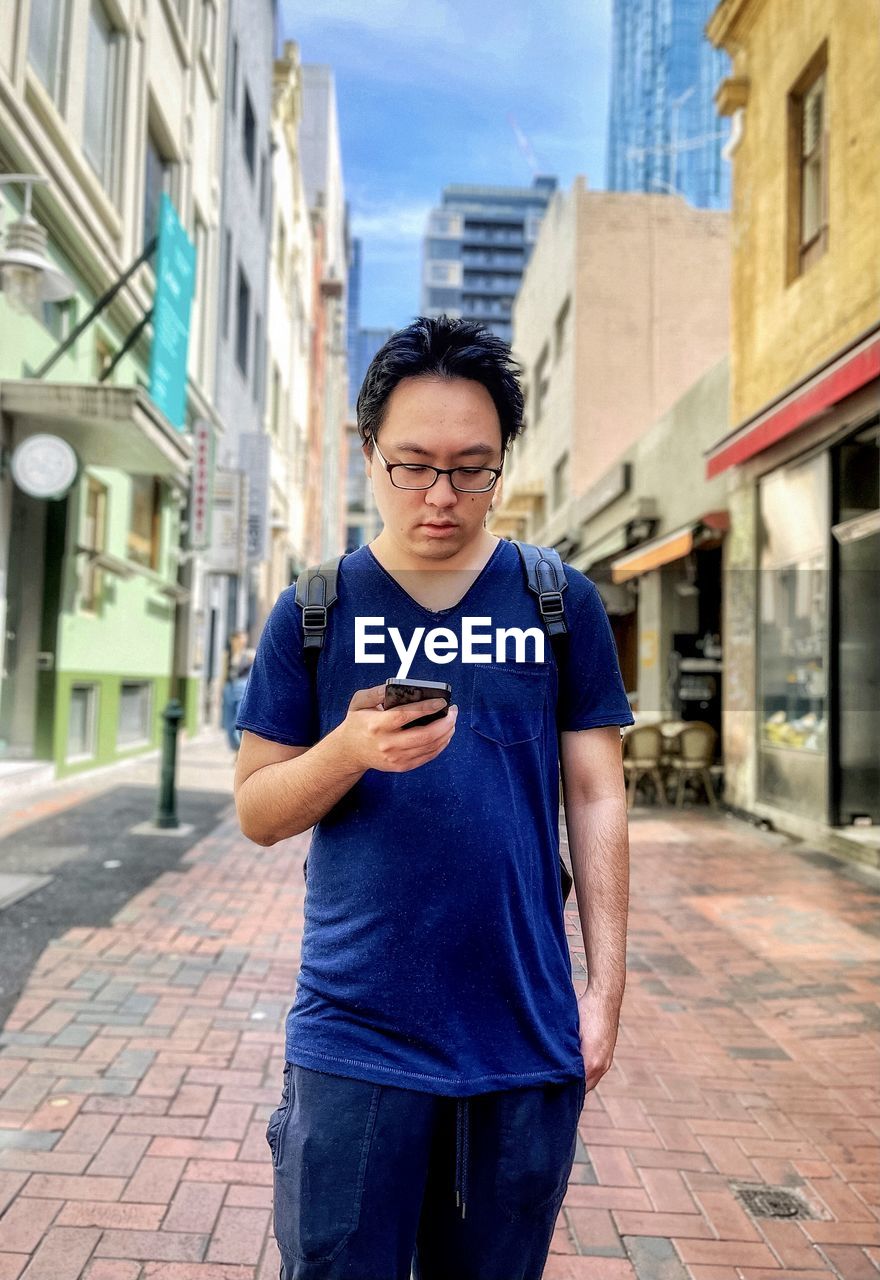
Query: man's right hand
[[375, 739]]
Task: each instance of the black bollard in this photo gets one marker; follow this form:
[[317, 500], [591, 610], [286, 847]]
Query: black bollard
[[166, 814]]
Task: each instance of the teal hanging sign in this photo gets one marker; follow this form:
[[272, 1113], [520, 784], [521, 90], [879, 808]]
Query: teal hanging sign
[[175, 281]]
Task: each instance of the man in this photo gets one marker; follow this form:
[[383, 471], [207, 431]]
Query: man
[[437, 1055]]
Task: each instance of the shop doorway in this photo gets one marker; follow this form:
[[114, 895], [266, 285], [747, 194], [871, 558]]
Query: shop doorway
[[855, 767]]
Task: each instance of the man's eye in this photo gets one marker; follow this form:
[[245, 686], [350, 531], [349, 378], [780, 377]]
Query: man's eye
[[414, 469], [470, 471]]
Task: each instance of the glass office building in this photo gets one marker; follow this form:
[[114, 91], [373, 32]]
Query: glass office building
[[663, 132], [476, 248]]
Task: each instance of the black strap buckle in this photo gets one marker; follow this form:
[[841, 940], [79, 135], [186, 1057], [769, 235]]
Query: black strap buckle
[[314, 618], [551, 606]]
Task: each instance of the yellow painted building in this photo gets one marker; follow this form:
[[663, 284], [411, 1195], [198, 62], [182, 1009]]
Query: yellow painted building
[[786, 320], [801, 715]]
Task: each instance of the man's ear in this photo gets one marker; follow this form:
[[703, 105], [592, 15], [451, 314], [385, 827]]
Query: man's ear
[[368, 461]]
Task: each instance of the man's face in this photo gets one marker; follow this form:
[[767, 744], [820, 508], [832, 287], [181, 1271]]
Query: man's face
[[445, 423]]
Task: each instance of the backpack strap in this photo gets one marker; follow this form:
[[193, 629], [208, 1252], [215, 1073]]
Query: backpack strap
[[545, 576], [315, 594]]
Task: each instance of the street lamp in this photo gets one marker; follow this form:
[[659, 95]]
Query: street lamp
[[27, 275]]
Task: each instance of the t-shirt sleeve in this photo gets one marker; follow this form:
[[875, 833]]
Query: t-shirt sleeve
[[592, 692], [279, 701]]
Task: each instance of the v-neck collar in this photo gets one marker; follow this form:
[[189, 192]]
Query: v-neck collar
[[437, 613]]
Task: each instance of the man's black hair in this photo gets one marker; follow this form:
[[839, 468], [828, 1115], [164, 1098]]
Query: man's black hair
[[443, 348]]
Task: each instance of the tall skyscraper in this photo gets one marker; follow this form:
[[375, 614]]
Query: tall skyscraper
[[663, 132], [476, 248]]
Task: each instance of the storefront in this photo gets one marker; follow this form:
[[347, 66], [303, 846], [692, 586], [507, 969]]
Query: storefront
[[818, 623], [802, 602]]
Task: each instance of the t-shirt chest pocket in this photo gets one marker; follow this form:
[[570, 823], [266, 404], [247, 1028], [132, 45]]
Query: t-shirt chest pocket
[[508, 702]]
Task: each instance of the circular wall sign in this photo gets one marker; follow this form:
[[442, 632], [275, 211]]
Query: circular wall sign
[[44, 466]]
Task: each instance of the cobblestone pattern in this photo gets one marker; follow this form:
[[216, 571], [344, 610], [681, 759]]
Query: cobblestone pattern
[[139, 1069]]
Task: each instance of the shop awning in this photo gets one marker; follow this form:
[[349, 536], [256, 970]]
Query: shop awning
[[108, 426], [705, 532], [802, 404]]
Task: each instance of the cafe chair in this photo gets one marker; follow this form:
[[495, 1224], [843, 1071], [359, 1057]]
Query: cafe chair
[[694, 760], [642, 749]]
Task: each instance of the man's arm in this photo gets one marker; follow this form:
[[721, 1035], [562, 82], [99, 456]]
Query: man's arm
[[281, 791], [598, 839]]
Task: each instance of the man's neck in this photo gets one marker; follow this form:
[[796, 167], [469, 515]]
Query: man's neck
[[437, 584]]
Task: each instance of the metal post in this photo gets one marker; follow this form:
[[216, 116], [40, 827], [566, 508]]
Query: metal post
[[166, 814]]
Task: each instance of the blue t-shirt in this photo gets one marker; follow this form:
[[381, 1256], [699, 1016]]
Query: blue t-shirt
[[434, 954]]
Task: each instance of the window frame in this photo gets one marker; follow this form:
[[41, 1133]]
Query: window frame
[[802, 253], [92, 583], [134, 536], [108, 172]]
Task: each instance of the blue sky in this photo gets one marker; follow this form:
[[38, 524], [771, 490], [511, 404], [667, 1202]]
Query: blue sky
[[425, 89]]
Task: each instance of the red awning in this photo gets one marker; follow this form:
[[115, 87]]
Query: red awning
[[839, 379]]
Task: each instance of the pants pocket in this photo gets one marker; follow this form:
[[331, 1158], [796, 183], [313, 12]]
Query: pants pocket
[[538, 1140], [278, 1116], [321, 1163]]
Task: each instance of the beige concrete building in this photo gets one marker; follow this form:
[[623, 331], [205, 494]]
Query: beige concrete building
[[288, 336], [802, 706], [623, 306]]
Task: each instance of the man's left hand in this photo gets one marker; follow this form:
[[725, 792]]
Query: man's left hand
[[599, 1024]]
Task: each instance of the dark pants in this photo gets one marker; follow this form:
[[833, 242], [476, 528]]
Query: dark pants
[[372, 1180]]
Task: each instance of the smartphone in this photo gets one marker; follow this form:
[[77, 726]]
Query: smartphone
[[399, 693]]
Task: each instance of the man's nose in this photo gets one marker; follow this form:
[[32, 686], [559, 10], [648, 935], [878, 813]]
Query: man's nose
[[441, 492]]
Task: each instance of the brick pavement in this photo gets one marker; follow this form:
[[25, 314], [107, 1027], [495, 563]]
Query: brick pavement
[[140, 1066]]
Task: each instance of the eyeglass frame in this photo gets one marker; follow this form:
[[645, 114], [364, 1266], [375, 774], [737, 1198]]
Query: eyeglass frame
[[440, 471]]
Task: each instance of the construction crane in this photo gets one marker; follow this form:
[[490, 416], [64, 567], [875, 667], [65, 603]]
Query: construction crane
[[524, 145]]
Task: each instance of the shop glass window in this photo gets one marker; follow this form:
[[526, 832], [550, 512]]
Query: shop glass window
[[793, 603], [145, 522], [135, 701], [82, 721], [47, 45]]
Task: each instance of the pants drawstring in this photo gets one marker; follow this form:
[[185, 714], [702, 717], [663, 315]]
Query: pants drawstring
[[461, 1153]]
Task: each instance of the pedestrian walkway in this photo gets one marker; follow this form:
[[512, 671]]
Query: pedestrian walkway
[[140, 1066]]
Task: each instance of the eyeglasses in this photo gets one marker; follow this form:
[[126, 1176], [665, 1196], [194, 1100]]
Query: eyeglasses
[[414, 475]]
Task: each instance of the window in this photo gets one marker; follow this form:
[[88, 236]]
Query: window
[[560, 482], [541, 382], [102, 77], [560, 327], [233, 79], [264, 184], [93, 537], [208, 33], [808, 168], [144, 524], [242, 319], [793, 522], [47, 45], [249, 134], [135, 699], [275, 409], [200, 299], [81, 720], [227, 279], [258, 357], [59, 318], [159, 170]]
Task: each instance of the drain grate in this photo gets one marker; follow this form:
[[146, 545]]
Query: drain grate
[[771, 1202]]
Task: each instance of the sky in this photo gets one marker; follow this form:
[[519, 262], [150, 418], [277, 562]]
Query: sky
[[425, 91]]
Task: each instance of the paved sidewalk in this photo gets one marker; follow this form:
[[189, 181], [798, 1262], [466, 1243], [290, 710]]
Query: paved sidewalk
[[139, 1068]]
